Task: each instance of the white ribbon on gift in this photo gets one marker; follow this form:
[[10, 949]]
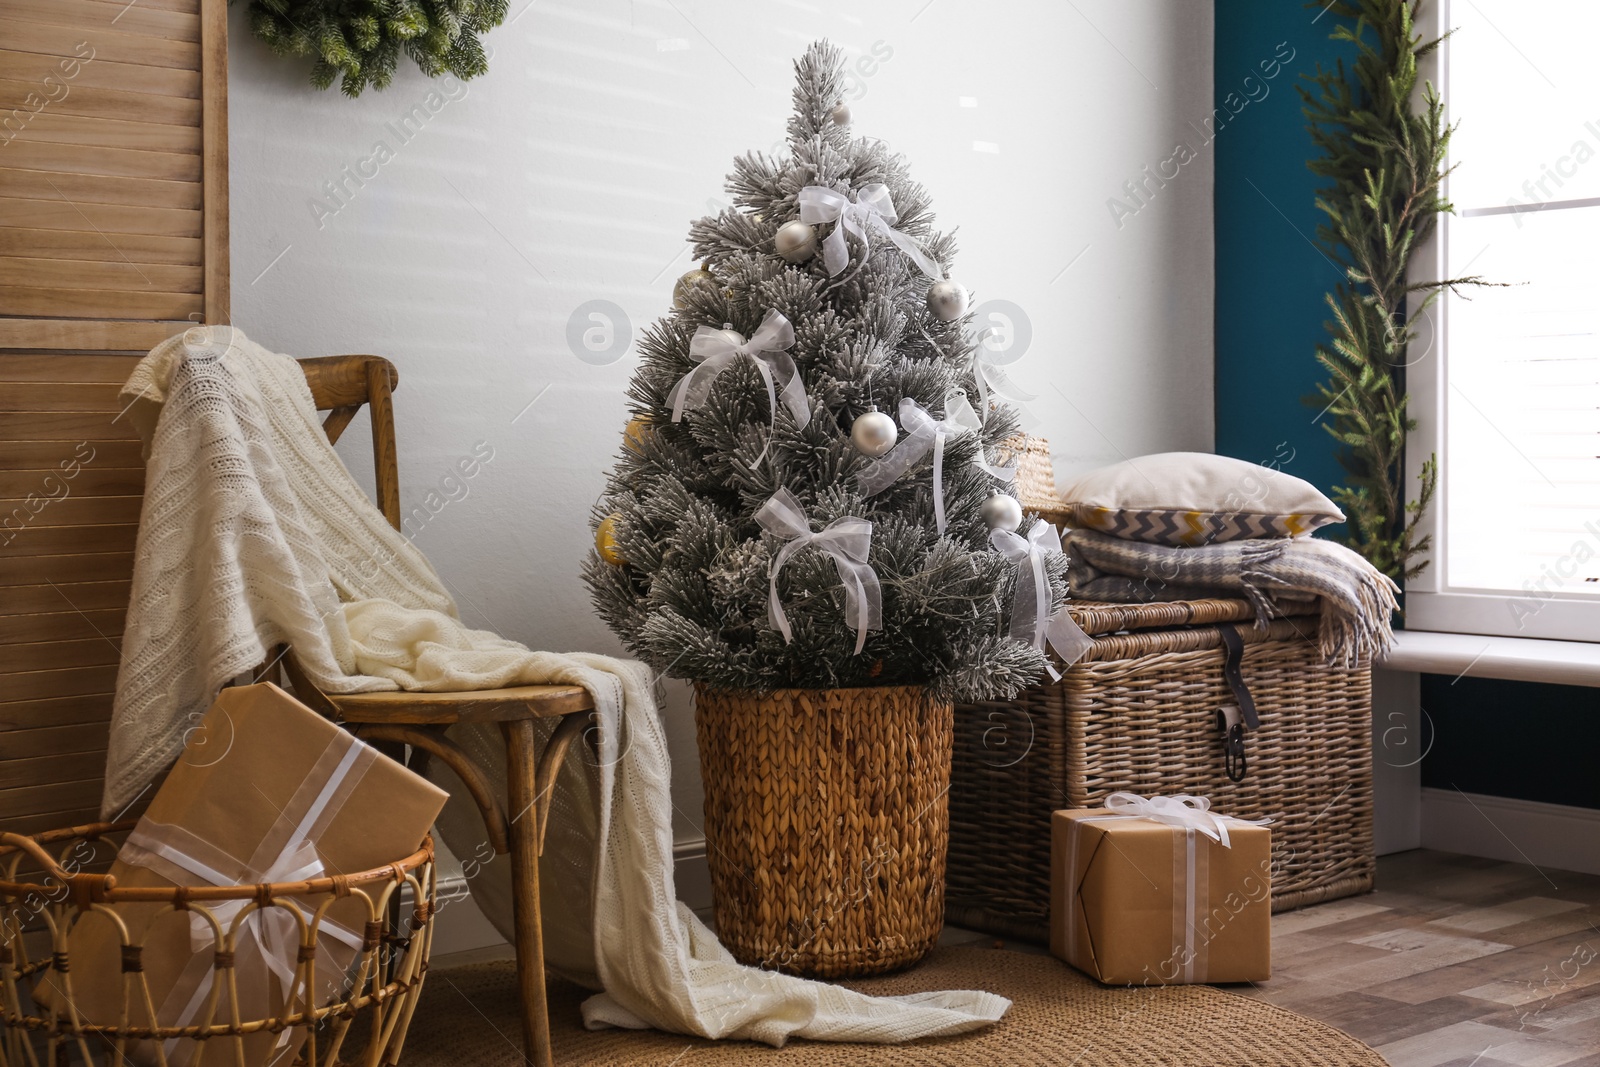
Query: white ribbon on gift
[[847, 540], [273, 928], [170, 851], [872, 211], [715, 354], [1184, 811], [1031, 620]]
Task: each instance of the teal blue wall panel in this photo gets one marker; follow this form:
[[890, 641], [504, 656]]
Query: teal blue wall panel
[[1271, 279], [1512, 739]]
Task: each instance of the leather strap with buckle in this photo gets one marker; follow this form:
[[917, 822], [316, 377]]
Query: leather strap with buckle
[[1233, 720]]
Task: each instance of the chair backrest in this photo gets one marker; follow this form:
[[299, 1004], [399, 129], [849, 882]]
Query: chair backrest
[[340, 385]]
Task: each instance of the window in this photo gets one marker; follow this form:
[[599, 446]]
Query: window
[[1506, 382]]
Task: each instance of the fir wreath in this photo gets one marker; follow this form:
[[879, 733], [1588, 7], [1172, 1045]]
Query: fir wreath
[[359, 41]]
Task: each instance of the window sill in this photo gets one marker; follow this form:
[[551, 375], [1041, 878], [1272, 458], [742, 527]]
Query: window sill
[[1520, 659]]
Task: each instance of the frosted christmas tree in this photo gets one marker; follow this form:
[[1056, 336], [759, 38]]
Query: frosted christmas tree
[[810, 493]]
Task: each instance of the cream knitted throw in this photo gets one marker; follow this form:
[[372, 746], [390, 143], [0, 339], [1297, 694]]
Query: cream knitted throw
[[253, 533]]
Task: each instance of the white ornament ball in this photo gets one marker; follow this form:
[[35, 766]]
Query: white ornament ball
[[735, 338], [947, 300], [840, 114], [1002, 512], [873, 433], [795, 241]]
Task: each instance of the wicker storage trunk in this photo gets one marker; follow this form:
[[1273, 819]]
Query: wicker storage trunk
[[1138, 713]]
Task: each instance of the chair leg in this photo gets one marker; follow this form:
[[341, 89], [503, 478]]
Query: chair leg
[[523, 792]]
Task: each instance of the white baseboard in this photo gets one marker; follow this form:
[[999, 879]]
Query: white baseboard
[[461, 926], [1519, 831], [1401, 736]]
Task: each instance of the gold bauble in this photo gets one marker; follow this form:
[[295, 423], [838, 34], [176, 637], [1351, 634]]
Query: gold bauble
[[699, 278], [605, 540], [633, 434]]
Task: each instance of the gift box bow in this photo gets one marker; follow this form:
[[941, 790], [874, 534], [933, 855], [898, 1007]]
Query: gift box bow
[[1182, 811]]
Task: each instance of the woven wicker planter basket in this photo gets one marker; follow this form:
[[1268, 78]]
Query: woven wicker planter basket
[[826, 825], [1137, 713]]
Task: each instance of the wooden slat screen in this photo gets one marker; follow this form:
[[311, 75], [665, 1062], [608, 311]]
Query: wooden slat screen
[[112, 123], [69, 513], [113, 236]]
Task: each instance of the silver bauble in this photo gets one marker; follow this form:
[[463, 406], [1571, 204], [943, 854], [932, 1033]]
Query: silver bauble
[[735, 338], [873, 433], [795, 241], [947, 300], [840, 114], [1002, 512], [697, 279]]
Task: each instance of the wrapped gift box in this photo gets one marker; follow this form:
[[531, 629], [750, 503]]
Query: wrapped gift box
[[266, 790], [1138, 901]]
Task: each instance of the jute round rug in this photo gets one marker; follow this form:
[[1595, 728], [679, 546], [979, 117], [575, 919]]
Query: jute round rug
[[1059, 1017]]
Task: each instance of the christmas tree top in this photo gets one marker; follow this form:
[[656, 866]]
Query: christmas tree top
[[809, 494]]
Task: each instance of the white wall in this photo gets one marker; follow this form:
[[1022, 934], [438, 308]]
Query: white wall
[[571, 171]]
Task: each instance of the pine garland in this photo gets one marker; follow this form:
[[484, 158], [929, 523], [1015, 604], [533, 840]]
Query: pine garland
[[359, 41], [1384, 158]]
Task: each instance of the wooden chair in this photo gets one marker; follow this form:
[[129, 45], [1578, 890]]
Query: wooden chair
[[341, 385]]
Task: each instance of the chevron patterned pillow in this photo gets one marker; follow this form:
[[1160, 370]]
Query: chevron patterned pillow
[[1193, 498]]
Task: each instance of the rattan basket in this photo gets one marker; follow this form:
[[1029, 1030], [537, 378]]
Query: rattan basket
[[45, 893], [1137, 713], [826, 825], [1036, 479]]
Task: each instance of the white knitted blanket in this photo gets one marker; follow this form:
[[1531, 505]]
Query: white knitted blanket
[[254, 534]]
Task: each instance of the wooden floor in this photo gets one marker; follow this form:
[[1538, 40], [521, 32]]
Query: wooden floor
[[1453, 961]]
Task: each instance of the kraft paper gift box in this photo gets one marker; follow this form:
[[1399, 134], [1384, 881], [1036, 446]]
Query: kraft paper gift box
[[266, 790], [1137, 901]]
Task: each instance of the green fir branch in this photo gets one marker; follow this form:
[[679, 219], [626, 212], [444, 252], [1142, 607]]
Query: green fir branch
[[1383, 157]]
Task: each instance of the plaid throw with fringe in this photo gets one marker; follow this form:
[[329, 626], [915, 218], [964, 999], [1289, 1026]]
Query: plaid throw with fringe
[[1357, 598]]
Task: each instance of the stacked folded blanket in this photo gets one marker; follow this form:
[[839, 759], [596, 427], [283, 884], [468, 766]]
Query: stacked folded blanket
[[1185, 526]]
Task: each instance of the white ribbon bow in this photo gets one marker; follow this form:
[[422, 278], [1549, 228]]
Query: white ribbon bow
[[274, 929], [958, 412], [871, 212], [847, 540], [1031, 620], [923, 432], [1183, 811], [715, 353], [989, 378]]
